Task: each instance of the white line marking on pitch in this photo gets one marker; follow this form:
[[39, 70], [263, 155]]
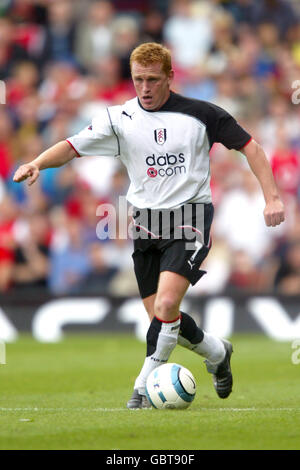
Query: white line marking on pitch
[[250, 409], [65, 409], [111, 410]]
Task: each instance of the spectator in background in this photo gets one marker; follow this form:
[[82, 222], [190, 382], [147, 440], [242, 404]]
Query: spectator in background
[[119, 183], [8, 214], [285, 162], [86, 169], [240, 10], [28, 11], [246, 276], [223, 44], [118, 257], [266, 68], [294, 44], [287, 252], [132, 6], [29, 17], [60, 33], [199, 83], [88, 203], [226, 96], [27, 117], [69, 258], [23, 82], [38, 199], [248, 101], [5, 6], [6, 144], [94, 40], [98, 279], [237, 220], [10, 52], [57, 126], [31, 267], [152, 26], [287, 280], [188, 35], [125, 39], [112, 87], [278, 12], [117, 253], [279, 114], [62, 93]]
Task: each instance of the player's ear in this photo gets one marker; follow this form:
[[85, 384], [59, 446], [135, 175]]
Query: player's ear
[[170, 76]]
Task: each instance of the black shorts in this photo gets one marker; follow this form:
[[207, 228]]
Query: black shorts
[[182, 254]]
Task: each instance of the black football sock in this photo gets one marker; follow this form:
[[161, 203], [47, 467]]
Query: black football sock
[[189, 330]]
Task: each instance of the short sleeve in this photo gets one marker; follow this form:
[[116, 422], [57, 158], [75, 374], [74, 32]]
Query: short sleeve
[[98, 139], [224, 128]]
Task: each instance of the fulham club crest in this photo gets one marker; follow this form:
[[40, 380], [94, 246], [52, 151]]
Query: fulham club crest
[[160, 136]]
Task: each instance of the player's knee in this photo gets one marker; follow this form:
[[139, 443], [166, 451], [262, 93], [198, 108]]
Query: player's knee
[[166, 307]]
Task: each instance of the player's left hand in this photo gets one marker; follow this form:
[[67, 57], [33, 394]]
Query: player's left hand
[[274, 213]]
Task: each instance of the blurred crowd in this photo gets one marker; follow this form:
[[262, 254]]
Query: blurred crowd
[[63, 60]]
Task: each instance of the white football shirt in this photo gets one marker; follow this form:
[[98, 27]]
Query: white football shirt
[[166, 152]]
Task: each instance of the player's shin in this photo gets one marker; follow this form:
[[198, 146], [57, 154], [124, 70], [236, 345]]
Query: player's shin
[[161, 340], [193, 338]]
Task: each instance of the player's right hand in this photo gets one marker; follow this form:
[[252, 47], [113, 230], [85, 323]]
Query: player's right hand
[[274, 213], [29, 170]]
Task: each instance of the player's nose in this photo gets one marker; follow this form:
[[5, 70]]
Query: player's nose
[[145, 88]]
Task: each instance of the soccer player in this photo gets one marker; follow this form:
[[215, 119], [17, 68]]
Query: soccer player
[[164, 140]]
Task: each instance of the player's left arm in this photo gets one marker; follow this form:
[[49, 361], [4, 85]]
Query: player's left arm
[[258, 162]]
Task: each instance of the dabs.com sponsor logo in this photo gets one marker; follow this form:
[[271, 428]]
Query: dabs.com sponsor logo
[[165, 165]]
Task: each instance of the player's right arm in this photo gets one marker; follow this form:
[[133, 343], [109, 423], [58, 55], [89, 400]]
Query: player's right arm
[[53, 157], [98, 139]]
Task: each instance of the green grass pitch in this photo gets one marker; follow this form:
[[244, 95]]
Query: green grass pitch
[[72, 395]]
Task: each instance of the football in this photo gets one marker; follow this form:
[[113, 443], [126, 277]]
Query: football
[[170, 386]]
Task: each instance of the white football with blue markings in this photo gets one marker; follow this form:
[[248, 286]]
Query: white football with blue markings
[[171, 386]]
